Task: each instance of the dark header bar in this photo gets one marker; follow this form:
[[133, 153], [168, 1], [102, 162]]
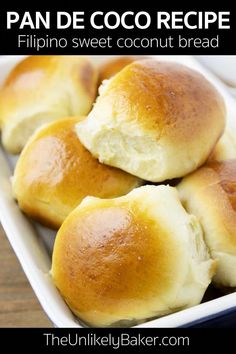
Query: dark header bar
[[108, 31]]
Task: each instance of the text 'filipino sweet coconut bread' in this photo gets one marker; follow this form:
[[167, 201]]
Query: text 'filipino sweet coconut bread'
[[210, 194], [122, 261], [55, 172], [42, 89], [156, 120]]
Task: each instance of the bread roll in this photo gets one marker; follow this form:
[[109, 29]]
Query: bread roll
[[156, 120], [210, 194], [42, 89], [113, 66], [55, 172], [121, 261], [225, 149]]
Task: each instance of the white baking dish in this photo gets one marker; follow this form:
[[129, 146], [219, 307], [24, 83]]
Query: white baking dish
[[223, 66], [33, 243]]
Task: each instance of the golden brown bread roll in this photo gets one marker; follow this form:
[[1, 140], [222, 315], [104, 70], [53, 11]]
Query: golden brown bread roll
[[113, 66], [55, 172], [42, 89], [225, 149], [210, 194], [121, 261], [156, 120]]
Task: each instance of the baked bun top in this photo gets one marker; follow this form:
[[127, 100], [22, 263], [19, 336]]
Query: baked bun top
[[156, 120], [215, 184], [210, 194], [121, 261], [113, 66], [42, 89], [55, 172], [225, 149]]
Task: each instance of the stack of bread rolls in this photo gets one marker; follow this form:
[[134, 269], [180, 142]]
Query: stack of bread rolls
[[129, 247]]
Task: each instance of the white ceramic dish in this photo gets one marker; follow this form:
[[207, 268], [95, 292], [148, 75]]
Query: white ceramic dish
[[222, 65], [33, 243]]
